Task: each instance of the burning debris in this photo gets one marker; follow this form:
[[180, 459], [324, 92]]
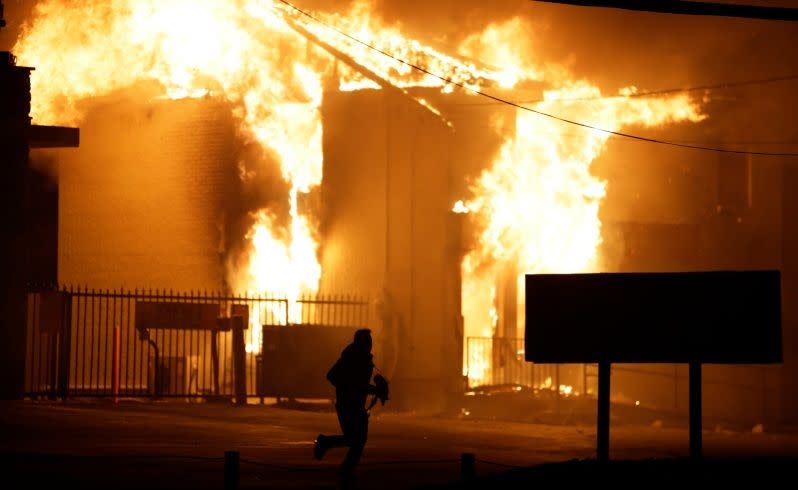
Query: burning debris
[[536, 206]]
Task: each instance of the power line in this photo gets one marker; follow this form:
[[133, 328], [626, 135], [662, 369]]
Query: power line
[[691, 8], [570, 134], [529, 109], [652, 93]]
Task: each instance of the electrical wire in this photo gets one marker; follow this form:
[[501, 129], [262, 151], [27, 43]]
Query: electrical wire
[[529, 109], [654, 93]]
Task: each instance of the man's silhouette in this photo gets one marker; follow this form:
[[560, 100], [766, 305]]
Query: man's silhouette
[[351, 376]]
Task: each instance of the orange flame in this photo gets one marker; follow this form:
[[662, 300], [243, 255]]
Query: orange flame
[[537, 204]]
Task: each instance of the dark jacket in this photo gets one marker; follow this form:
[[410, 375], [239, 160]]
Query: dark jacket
[[351, 376]]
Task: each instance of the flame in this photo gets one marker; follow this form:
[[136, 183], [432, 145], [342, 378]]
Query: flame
[[496, 45], [235, 50], [460, 207], [536, 205], [362, 25]]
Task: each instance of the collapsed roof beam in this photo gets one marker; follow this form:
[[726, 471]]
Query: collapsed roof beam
[[345, 58]]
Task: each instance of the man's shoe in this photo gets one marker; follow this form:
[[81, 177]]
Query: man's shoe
[[320, 446]]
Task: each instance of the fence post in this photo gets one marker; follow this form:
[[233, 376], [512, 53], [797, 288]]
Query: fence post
[[215, 362], [467, 467], [239, 360], [231, 469], [695, 410], [603, 413], [117, 361], [557, 388], [65, 352]]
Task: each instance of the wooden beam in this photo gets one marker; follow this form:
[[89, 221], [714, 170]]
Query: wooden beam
[[341, 56]]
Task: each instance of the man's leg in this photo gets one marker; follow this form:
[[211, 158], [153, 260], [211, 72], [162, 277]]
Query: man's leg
[[345, 421], [335, 441], [356, 433], [324, 442]]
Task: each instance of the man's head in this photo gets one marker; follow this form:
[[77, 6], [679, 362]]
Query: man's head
[[363, 339]]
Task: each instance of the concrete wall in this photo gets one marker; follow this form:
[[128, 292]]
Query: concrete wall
[[141, 200], [387, 228]]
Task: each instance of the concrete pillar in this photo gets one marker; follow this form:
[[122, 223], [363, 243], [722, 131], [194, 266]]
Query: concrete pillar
[[14, 126]]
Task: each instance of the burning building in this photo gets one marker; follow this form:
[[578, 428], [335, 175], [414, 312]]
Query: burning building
[[260, 148]]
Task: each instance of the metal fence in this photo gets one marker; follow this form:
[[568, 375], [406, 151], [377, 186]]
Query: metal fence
[[499, 361], [156, 343]]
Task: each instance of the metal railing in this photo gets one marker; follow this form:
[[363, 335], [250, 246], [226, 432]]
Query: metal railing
[[499, 361], [88, 342]]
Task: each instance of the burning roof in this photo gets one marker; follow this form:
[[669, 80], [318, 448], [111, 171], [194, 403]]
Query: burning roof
[[536, 204]]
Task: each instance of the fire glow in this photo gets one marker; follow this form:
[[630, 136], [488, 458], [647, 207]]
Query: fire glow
[[536, 204]]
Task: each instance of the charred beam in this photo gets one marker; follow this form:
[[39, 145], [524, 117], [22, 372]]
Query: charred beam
[[345, 58], [691, 8]]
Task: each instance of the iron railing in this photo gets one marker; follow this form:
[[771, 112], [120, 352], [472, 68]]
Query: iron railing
[[89, 342], [499, 362]]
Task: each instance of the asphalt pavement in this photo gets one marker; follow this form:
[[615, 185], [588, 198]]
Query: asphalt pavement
[[94, 444]]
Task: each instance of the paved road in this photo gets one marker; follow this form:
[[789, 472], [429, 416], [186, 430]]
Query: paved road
[[177, 445]]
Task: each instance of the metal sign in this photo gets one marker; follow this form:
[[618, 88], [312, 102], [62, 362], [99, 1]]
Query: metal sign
[[691, 317], [172, 315], [708, 317]]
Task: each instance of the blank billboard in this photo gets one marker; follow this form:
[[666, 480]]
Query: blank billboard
[[711, 317]]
